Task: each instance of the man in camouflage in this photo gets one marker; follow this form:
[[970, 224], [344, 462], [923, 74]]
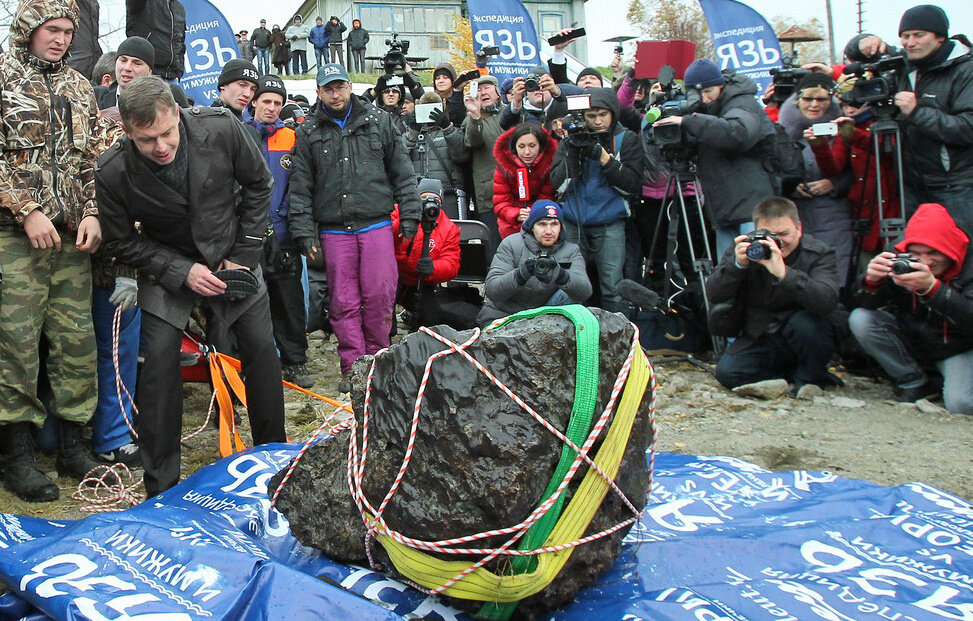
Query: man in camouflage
[[48, 228]]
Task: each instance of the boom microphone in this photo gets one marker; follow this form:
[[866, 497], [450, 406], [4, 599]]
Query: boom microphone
[[640, 296]]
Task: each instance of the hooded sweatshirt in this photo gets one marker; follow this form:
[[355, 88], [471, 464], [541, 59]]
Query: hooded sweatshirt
[[939, 323], [50, 136], [594, 194]]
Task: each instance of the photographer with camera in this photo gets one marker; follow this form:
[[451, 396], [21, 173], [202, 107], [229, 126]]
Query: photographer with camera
[[935, 101], [481, 128], [437, 151], [597, 168], [727, 131], [917, 310], [334, 28], [536, 267], [775, 291], [531, 98]]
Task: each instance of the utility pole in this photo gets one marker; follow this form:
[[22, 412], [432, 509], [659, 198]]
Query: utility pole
[[831, 56], [861, 11]]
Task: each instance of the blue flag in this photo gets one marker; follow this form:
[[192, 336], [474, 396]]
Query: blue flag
[[210, 44], [743, 41], [506, 24]]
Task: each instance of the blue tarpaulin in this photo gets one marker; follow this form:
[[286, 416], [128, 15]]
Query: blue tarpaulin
[[721, 539]]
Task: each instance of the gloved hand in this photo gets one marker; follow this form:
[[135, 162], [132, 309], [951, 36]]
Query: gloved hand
[[409, 80], [582, 141], [525, 271], [594, 151], [546, 269], [126, 293], [305, 246], [424, 266], [380, 85], [408, 228], [439, 118], [563, 276]]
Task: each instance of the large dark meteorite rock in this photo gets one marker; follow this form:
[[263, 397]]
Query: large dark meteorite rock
[[480, 461]]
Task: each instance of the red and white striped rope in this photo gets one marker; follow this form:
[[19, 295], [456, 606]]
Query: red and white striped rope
[[100, 496]]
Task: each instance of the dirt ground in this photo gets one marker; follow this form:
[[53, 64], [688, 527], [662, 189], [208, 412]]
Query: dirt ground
[[855, 431]]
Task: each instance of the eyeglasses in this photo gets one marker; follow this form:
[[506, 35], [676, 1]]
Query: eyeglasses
[[331, 90], [815, 99]]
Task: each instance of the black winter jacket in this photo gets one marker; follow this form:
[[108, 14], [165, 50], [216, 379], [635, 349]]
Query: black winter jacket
[[764, 303], [348, 179], [939, 133], [225, 216], [727, 134], [358, 38], [163, 23], [334, 31], [260, 38]]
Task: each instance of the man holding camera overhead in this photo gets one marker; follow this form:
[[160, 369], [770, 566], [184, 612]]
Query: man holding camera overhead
[[774, 290], [935, 102], [917, 310]]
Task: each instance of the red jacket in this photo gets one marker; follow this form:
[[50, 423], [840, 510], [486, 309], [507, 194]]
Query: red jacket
[[854, 152], [443, 250], [506, 201]]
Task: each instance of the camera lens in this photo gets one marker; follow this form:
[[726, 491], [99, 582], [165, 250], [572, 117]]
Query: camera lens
[[757, 251]]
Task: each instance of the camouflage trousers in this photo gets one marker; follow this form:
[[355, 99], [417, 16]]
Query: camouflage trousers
[[49, 292]]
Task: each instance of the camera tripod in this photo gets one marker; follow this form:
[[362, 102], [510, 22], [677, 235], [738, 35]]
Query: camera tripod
[[682, 170], [885, 137]]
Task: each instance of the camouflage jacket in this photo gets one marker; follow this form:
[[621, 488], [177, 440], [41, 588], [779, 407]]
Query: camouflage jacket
[[49, 129]]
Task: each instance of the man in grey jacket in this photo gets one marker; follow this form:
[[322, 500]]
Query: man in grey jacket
[[535, 268], [201, 190], [297, 35]]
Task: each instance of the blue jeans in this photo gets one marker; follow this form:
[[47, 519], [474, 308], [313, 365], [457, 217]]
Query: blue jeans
[[298, 62], [725, 236], [603, 244], [109, 430], [263, 60], [883, 338], [321, 55], [799, 352]]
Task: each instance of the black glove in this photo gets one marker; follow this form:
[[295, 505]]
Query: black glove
[[525, 271], [409, 80], [563, 276], [380, 86], [408, 228], [594, 151], [305, 246], [424, 266], [546, 269], [582, 141], [439, 117]]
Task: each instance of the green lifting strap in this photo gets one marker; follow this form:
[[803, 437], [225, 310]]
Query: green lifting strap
[[587, 332]]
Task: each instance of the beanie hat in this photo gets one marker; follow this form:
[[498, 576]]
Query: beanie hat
[[542, 209], [852, 52], [587, 71], [429, 184], [815, 79], [238, 69], [137, 47], [703, 73], [270, 84], [926, 17], [446, 68], [489, 79]]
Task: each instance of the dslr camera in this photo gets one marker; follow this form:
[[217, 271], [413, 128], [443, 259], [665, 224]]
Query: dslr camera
[[880, 88], [394, 59], [544, 264], [757, 251], [902, 263], [430, 209], [531, 83], [673, 101]]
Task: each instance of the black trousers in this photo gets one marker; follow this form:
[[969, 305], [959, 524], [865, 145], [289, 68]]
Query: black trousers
[[289, 318], [799, 353], [160, 396]]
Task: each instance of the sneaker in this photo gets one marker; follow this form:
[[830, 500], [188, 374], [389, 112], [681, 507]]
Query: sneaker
[[128, 454], [911, 395], [297, 374]]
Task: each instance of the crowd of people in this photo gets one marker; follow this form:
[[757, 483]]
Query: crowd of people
[[130, 209]]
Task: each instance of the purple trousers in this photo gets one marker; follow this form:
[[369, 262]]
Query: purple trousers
[[362, 278]]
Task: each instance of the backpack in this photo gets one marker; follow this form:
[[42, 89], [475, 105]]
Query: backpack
[[782, 158]]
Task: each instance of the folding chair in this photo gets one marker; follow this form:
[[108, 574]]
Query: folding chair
[[476, 252]]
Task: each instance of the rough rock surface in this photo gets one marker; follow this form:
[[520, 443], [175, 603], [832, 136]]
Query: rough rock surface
[[480, 461]]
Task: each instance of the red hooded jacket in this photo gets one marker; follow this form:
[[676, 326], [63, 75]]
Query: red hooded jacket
[[931, 225], [855, 153], [443, 250], [506, 201]]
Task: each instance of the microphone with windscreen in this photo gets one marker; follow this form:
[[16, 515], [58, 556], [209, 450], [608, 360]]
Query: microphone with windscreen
[[638, 295]]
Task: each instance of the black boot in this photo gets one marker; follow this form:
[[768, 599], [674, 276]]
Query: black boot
[[73, 457], [20, 473]]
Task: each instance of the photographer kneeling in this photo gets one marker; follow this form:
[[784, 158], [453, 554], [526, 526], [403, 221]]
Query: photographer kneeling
[[774, 290], [917, 310], [535, 268]]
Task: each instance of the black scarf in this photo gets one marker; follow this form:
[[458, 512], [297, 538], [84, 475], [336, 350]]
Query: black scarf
[[175, 174], [936, 58]]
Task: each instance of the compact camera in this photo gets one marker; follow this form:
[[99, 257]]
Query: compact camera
[[902, 263]]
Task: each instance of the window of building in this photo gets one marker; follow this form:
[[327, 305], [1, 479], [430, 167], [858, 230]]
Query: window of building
[[551, 23]]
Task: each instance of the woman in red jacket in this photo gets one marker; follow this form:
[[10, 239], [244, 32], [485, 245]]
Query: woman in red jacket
[[524, 155]]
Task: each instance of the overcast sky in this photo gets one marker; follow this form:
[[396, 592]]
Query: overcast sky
[[606, 18]]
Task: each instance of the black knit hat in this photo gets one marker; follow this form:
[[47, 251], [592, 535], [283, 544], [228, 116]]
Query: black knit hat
[[815, 79], [928, 17], [587, 71], [703, 73], [238, 69], [137, 47], [270, 84]]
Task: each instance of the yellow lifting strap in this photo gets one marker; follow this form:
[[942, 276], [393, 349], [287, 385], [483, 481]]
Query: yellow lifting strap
[[484, 585]]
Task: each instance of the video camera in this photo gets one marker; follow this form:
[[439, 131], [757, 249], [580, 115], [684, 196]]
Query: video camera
[[785, 82], [673, 101], [574, 124], [880, 87], [394, 59]]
